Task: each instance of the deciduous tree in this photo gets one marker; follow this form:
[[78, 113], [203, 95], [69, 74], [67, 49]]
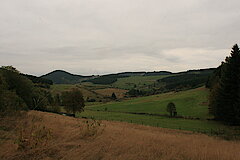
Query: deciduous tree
[[73, 101], [171, 108]]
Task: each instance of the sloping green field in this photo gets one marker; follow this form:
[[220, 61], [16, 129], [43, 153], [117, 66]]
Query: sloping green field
[[58, 88], [139, 81], [192, 103], [203, 126]]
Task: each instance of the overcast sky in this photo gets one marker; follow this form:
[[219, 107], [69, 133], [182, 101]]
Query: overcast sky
[[108, 36]]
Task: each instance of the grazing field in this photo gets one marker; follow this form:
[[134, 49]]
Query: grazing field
[[58, 88], [192, 103], [191, 106], [138, 81], [63, 138], [202, 126], [87, 93], [120, 93], [92, 86]]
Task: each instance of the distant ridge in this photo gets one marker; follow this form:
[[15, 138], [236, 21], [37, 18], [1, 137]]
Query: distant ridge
[[63, 77]]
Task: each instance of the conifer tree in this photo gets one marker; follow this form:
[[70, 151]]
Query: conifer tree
[[114, 96], [225, 95]]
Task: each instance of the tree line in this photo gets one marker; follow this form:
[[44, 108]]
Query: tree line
[[106, 79], [20, 92]]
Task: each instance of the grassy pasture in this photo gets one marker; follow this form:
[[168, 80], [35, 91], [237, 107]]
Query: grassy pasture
[[191, 103], [58, 88], [92, 86], [139, 81], [157, 121]]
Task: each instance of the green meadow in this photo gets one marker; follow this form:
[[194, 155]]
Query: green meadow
[[189, 104], [156, 121], [139, 81]]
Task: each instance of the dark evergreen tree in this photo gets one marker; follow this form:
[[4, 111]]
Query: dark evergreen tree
[[214, 78], [225, 94], [114, 96]]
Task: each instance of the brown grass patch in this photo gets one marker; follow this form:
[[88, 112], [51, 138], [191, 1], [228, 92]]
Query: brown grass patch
[[73, 138], [120, 93]]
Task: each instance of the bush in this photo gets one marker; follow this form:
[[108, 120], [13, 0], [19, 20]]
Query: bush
[[11, 102], [91, 100]]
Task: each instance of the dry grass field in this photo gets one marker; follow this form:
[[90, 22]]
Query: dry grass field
[[39, 135], [120, 93], [87, 93]]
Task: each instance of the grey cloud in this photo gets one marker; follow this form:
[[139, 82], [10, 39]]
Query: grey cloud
[[93, 36]]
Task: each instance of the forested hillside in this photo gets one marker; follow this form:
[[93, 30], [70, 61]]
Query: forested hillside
[[63, 77]]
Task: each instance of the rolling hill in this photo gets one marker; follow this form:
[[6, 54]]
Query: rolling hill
[[63, 77]]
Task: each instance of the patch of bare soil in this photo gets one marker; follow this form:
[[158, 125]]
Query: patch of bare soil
[[49, 136]]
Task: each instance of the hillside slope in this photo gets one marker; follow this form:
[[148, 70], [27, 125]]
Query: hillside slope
[[67, 138], [191, 103], [63, 77]]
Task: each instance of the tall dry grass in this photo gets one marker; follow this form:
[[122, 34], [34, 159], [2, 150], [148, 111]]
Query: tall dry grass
[[76, 139], [135, 142]]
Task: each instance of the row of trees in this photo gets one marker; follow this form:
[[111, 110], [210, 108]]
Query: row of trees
[[184, 81], [106, 79]]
